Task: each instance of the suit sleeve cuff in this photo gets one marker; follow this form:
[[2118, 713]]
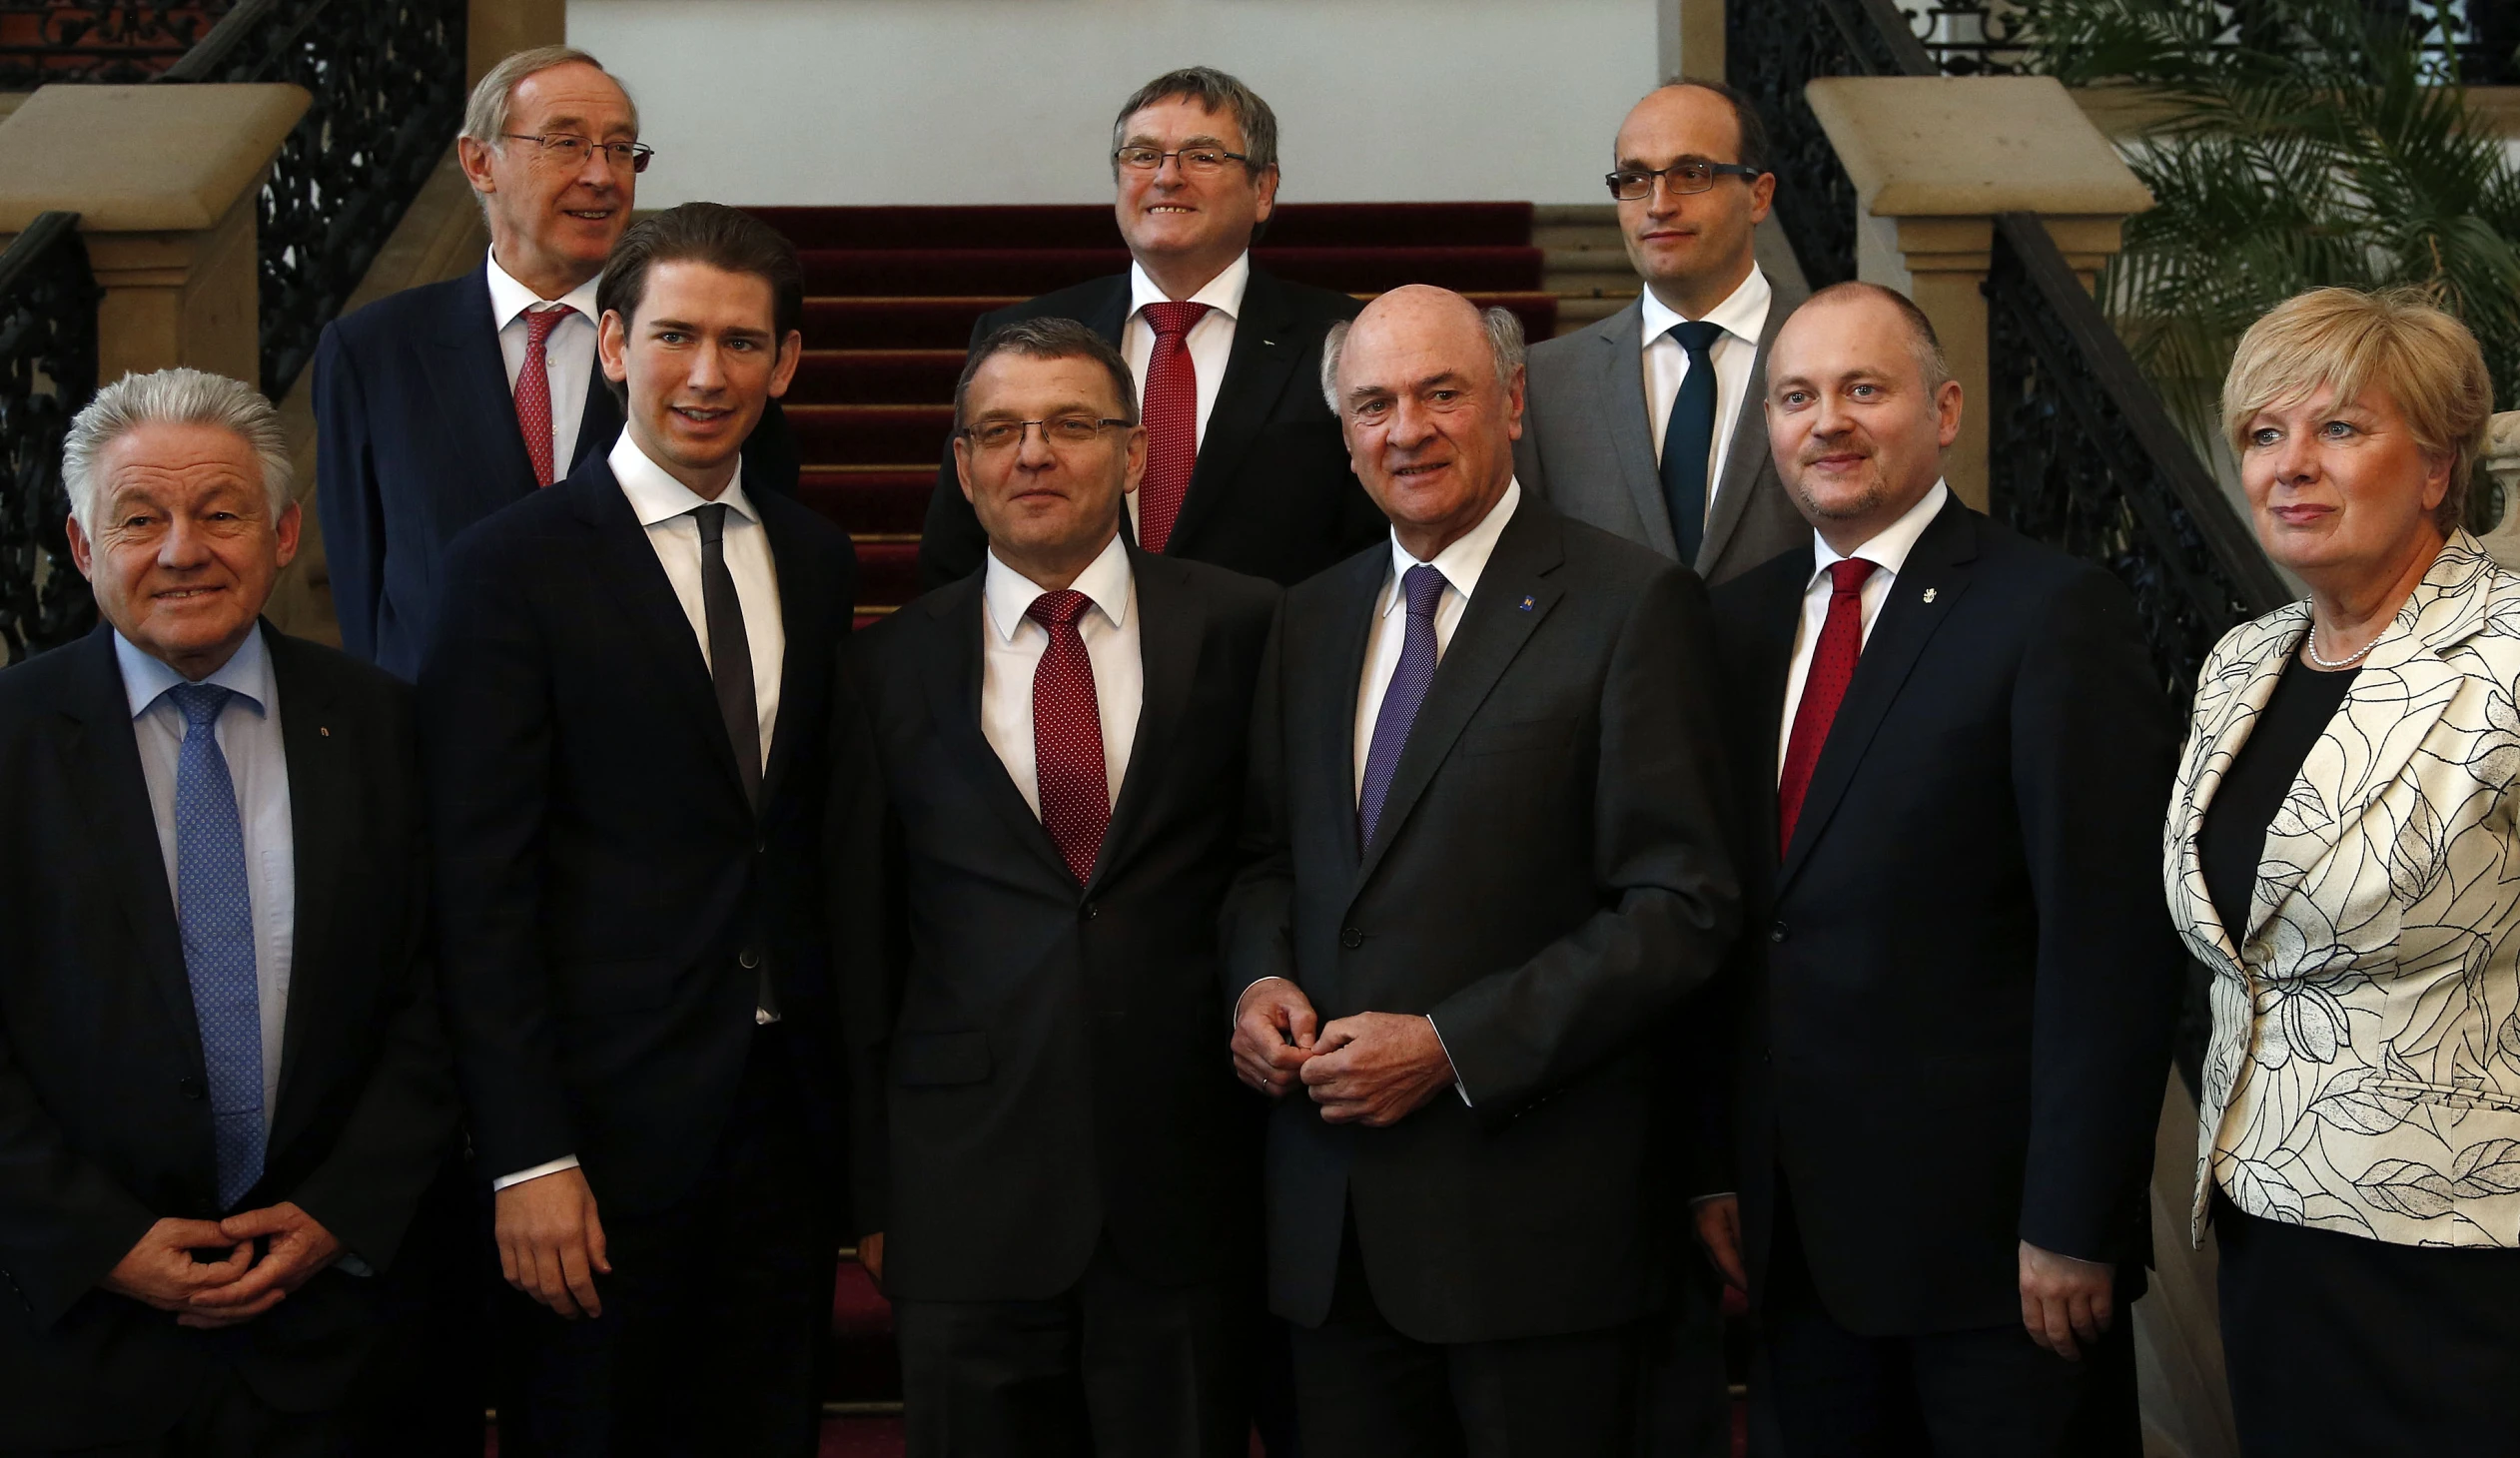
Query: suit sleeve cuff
[[1246, 994], [555, 1166], [1457, 1086]]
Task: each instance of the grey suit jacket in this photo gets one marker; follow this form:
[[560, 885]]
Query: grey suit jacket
[[1588, 448]]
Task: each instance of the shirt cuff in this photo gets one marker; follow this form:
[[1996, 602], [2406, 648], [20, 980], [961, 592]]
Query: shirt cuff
[[565, 1161], [1697, 1199], [1457, 1086], [1246, 994]]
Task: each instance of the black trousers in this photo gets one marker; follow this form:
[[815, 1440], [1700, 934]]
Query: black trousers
[[1988, 1394], [715, 1315], [226, 1420], [1116, 1367], [1687, 1403], [1364, 1390], [2339, 1344]]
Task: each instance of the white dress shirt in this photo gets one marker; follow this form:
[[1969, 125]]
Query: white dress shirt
[[1012, 647], [250, 739], [1211, 341], [664, 506], [1743, 315], [1888, 552], [568, 355]]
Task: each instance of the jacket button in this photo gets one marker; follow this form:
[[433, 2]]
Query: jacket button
[[1777, 931], [748, 958], [190, 1089], [1350, 938], [1092, 910]]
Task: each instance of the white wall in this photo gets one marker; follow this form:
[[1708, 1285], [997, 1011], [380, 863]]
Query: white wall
[[1011, 101]]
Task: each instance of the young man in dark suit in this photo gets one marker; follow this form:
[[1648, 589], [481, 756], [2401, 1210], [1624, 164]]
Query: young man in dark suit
[[1058, 1167], [223, 1079], [625, 718], [1955, 1001], [443, 403], [1243, 467], [1489, 859]]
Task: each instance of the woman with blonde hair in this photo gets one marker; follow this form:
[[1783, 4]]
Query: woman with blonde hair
[[2341, 855]]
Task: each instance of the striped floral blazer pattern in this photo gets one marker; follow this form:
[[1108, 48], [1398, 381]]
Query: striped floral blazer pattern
[[2364, 1070]]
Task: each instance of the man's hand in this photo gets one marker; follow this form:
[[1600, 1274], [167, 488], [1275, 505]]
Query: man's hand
[[2063, 1298], [1273, 1035], [298, 1247], [1376, 1069], [551, 1244], [1719, 1231], [871, 1255], [161, 1271]]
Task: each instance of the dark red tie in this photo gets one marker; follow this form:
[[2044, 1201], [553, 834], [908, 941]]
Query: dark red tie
[[1832, 666], [1076, 802], [534, 389], [1172, 416]]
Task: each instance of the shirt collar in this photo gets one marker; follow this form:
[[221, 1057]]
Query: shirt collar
[[509, 298], [247, 674], [1224, 293], [1888, 551], [1105, 581], [656, 497], [1743, 313], [1463, 562]]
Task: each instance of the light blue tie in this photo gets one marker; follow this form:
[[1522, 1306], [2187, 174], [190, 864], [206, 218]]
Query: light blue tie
[[216, 911]]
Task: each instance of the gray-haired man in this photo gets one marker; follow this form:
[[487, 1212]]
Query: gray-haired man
[[223, 1085]]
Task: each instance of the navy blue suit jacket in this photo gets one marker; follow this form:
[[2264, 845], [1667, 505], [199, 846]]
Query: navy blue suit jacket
[[416, 440]]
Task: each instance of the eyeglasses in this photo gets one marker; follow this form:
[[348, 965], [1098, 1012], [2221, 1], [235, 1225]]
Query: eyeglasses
[[571, 152], [1063, 430], [1690, 175], [1197, 161]]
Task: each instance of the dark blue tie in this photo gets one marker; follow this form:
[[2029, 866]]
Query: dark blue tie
[[216, 913], [1688, 439], [1425, 587]]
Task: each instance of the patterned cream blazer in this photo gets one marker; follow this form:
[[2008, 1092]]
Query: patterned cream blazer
[[2364, 1073]]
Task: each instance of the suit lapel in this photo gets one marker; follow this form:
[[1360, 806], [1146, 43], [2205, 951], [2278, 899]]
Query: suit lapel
[[1939, 565], [952, 672], [1493, 629], [1256, 374], [1172, 624], [2228, 710], [322, 797], [478, 412], [1772, 660], [1745, 458], [105, 770], [1621, 342]]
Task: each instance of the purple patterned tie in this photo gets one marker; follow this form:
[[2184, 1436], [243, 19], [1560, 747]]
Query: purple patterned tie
[[1425, 586]]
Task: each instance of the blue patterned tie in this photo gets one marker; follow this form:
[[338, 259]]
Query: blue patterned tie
[[217, 915], [1688, 437], [1425, 586]]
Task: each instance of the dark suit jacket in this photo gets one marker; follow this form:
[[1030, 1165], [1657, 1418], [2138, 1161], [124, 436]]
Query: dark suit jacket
[[104, 1128], [1589, 447], [1955, 1016], [416, 440], [1551, 876], [1040, 1066], [1272, 495], [606, 892]]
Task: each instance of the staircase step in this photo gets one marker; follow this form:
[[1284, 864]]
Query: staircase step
[[887, 435], [888, 576], [1091, 225], [928, 321], [877, 377], [1030, 271], [870, 498]]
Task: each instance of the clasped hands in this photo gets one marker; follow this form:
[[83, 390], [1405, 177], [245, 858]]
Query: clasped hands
[[162, 1270], [1373, 1069]]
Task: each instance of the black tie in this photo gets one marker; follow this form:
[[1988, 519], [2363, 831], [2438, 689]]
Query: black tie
[[730, 652], [1688, 438]]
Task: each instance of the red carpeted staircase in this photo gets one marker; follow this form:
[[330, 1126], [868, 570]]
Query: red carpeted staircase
[[892, 294]]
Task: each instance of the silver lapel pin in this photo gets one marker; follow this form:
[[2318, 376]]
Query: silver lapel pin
[[1928, 594]]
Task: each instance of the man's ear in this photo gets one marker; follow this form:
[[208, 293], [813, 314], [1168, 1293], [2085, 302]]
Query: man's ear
[[1947, 405], [791, 353], [612, 345], [82, 551]]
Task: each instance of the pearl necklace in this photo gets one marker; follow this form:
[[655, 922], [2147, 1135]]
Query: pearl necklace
[[2310, 645]]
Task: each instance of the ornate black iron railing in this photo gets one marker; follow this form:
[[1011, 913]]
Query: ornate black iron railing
[[48, 304], [2481, 46], [2080, 454], [109, 41], [388, 81], [1772, 51]]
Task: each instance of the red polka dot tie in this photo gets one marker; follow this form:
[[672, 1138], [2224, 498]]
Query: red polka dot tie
[[533, 388], [1172, 416], [1831, 667], [1075, 789]]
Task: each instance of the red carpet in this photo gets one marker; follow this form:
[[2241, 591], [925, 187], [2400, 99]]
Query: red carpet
[[893, 293]]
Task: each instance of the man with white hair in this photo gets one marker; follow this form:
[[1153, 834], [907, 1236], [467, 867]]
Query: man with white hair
[[223, 1080], [439, 405]]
